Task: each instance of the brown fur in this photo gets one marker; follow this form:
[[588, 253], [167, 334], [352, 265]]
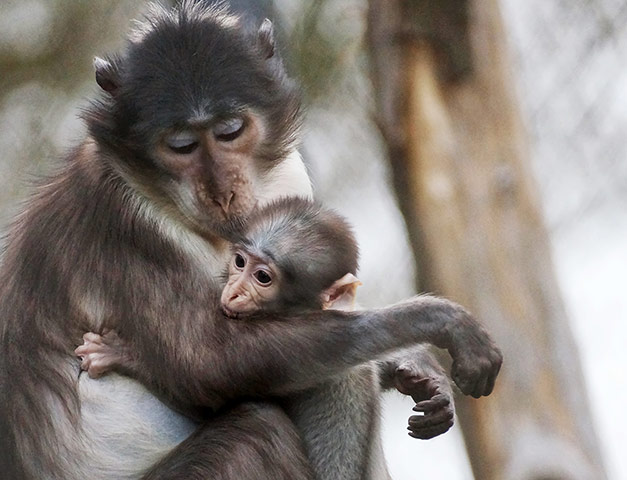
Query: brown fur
[[114, 241], [84, 236]]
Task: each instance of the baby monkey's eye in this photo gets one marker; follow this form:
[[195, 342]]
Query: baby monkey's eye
[[263, 277], [240, 262]]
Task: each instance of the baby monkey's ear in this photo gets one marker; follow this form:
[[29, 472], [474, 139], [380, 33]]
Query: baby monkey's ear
[[341, 295]]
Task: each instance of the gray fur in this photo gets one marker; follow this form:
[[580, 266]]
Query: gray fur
[[116, 240], [339, 422]]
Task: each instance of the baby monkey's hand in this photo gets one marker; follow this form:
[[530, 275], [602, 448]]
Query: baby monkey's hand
[[101, 354], [433, 397]]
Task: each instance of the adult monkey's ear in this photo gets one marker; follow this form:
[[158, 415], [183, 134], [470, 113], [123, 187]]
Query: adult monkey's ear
[[107, 75], [341, 295], [265, 38]]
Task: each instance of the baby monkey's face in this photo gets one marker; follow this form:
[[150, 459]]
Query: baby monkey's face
[[253, 284]]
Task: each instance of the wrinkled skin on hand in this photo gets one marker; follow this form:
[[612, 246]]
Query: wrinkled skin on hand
[[476, 358], [447, 325], [101, 354], [433, 397]]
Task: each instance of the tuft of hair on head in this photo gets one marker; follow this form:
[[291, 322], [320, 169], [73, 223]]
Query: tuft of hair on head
[[157, 14], [313, 246]]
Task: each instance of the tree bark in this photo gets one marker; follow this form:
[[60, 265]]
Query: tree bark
[[462, 174]]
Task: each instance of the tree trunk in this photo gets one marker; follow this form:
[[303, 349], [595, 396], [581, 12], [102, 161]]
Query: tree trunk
[[462, 175]]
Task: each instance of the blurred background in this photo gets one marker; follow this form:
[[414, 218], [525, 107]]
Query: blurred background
[[478, 148]]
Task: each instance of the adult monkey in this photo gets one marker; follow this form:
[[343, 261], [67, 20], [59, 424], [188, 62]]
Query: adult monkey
[[198, 128]]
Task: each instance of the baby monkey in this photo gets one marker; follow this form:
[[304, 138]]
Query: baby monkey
[[289, 257]]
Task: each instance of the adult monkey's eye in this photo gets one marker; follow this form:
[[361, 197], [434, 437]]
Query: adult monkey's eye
[[263, 277], [240, 262], [228, 130], [182, 143]]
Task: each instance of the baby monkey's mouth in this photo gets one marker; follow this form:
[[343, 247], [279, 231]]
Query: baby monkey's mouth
[[230, 313]]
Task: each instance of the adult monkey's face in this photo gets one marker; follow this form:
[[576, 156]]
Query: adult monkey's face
[[203, 110]]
